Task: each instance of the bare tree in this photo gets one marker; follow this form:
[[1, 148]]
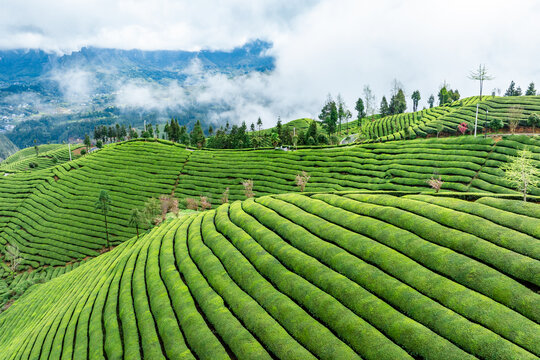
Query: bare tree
[[225, 196], [480, 74], [205, 203], [514, 116], [369, 100], [13, 254], [302, 180], [435, 183], [192, 204], [248, 188], [522, 173]]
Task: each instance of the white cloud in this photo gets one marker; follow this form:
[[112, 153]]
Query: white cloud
[[321, 47]]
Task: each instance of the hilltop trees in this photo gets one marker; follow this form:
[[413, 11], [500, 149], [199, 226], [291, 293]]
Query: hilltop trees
[[531, 91], [512, 90], [259, 125], [431, 101], [447, 96], [197, 135], [398, 104], [329, 115], [369, 100], [384, 109], [104, 204], [522, 173], [359, 107], [415, 98], [113, 133]]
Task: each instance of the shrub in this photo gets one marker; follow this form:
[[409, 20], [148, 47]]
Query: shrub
[[192, 204], [463, 127], [205, 204], [83, 152]]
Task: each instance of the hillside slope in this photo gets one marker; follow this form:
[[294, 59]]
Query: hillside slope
[[296, 276], [6, 147], [49, 155], [50, 214], [422, 123]]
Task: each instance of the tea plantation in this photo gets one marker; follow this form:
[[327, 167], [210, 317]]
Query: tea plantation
[[448, 117], [353, 275], [369, 262], [50, 214], [48, 155]]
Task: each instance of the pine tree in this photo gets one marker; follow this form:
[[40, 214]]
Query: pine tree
[[359, 107], [384, 110], [197, 135], [531, 91], [415, 98], [431, 101]]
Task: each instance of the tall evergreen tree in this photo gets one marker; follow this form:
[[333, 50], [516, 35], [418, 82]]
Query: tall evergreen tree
[[415, 98], [531, 91], [398, 104], [197, 135], [431, 101], [512, 90], [259, 125], [359, 107], [385, 109]]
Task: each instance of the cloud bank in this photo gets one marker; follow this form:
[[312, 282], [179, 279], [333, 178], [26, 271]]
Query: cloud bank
[[320, 47]]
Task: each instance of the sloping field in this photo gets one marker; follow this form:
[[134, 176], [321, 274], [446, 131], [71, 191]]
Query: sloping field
[[297, 277], [50, 214], [49, 155], [450, 116], [463, 163]]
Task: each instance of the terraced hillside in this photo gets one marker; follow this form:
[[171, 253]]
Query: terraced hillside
[[49, 155], [422, 123], [50, 214], [294, 276]]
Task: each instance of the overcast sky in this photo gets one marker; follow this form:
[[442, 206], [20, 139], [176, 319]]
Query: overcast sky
[[321, 46]]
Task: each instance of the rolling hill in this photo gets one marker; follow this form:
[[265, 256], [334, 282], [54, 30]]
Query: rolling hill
[[352, 275], [50, 214], [48, 155], [425, 122], [369, 262]]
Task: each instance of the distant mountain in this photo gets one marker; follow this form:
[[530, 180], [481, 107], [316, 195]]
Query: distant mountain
[[27, 66], [47, 97]]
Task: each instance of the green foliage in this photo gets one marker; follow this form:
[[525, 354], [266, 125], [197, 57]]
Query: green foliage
[[531, 91], [522, 172], [197, 135], [533, 120], [356, 275]]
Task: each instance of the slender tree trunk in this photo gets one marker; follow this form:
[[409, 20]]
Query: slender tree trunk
[[137, 227], [107, 231]]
